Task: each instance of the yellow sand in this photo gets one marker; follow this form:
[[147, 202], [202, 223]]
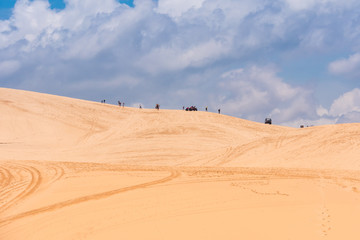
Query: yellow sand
[[74, 169]]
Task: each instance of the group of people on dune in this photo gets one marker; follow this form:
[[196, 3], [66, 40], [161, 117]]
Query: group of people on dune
[[194, 108], [119, 103], [157, 106]]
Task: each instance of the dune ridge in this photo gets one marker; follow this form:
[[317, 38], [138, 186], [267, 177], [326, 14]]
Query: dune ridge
[[49, 127]]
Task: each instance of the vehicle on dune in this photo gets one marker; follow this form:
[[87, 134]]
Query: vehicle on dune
[[192, 108], [267, 120]]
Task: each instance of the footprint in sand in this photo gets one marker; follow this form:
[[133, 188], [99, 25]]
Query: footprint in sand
[[325, 221]]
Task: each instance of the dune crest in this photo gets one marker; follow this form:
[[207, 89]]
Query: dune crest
[[56, 128]]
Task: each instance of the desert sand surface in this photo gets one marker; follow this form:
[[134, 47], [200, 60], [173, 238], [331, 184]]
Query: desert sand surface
[[75, 169]]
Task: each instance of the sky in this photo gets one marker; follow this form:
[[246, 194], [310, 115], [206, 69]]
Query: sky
[[296, 61]]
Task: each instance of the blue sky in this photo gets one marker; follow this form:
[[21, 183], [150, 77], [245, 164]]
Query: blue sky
[[6, 6], [296, 61]]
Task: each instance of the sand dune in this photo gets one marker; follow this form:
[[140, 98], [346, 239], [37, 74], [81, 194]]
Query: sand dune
[[74, 169]]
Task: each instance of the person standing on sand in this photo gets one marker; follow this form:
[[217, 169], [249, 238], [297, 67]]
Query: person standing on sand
[[219, 110], [206, 108], [119, 103]]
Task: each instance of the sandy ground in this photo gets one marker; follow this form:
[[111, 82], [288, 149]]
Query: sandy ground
[[73, 169]]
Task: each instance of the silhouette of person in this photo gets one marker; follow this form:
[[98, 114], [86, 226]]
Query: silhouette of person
[[206, 108], [219, 110]]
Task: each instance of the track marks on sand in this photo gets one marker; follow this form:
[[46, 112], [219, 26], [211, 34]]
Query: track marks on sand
[[173, 174], [5, 176], [325, 221], [29, 177], [250, 186], [29, 181]]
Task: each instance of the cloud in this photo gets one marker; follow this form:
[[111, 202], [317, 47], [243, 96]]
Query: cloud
[[351, 117], [175, 8], [230, 54], [8, 67], [324, 5], [258, 92], [97, 84], [346, 66], [346, 103], [321, 111], [344, 109], [193, 56]]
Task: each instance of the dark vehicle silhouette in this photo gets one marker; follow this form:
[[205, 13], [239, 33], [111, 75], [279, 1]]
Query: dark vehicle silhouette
[[192, 108], [267, 120]]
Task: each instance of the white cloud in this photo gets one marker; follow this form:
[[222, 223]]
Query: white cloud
[[98, 84], [348, 66], [348, 102], [321, 111], [176, 8], [32, 21], [35, 22], [173, 59], [258, 92], [4, 26], [351, 117], [172, 49], [8, 67], [299, 5], [344, 109], [296, 123]]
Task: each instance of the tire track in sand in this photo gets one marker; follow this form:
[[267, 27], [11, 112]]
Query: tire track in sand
[[174, 174], [35, 181], [12, 187], [59, 173], [6, 176]]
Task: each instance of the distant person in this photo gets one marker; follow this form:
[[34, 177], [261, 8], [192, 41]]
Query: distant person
[[140, 106], [206, 108], [119, 103], [157, 106], [219, 110]]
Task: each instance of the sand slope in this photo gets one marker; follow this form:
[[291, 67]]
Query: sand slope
[[48, 127], [74, 169]]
